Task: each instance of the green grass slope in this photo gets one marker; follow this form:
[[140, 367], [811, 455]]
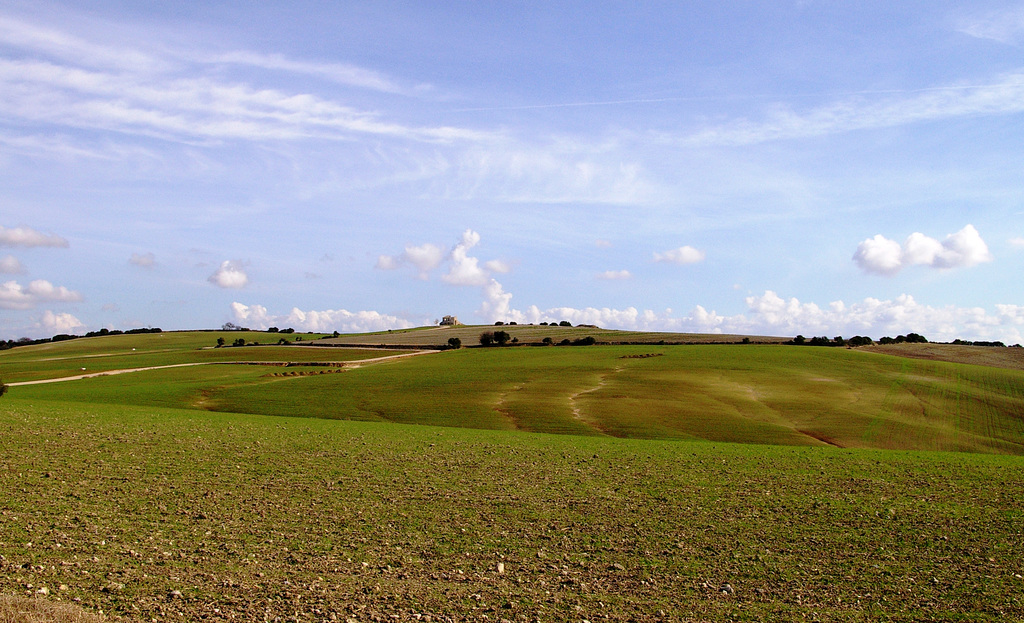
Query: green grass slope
[[147, 513], [764, 394]]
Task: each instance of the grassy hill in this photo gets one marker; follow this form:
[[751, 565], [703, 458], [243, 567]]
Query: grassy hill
[[534, 335], [749, 393], [191, 493]]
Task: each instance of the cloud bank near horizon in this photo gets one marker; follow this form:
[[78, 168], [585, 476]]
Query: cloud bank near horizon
[[767, 314]]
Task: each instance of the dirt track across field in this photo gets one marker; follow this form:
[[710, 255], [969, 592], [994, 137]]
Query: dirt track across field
[[340, 364]]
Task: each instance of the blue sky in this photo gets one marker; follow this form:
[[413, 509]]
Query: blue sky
[[822, 168]]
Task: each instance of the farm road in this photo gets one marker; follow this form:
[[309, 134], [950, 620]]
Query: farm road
[[340, 364]]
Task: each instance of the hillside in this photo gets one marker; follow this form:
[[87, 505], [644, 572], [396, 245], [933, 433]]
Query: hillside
[[748, 393], [534, 335]]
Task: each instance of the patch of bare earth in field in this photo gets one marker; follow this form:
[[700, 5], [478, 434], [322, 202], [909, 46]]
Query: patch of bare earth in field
[[992, 356]]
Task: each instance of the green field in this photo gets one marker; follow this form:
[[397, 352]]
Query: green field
[[750, 393], [149, 513], [686, 483]]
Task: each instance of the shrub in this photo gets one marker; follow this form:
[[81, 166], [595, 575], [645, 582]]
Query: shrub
[[486, 338], [502, 337], [454, 343]]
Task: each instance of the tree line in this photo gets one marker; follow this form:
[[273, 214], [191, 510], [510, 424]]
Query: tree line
[[63, 337]]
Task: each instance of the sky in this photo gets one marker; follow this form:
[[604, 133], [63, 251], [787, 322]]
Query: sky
[[762, 168]]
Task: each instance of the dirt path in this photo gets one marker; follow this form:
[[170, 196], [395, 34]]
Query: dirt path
[[341, 364]]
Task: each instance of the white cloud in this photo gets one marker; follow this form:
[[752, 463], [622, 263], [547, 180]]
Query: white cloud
[[343, 321], [143, 260], [465, 270], [879, 255], [613, 275], [682, 255], [1017, 242], [770, 314], [15, 296], [62, 322], [964, 248], [497, 304], [425, 258], [498, 266], [27, 237], [11, 266], [462, 269], [231, 274]]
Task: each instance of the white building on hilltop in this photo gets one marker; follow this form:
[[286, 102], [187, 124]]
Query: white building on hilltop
[[449, 321]]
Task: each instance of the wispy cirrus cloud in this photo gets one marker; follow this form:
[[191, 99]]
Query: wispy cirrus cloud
[[871, 110], [1005, 26], [341, 73], [177, 107]]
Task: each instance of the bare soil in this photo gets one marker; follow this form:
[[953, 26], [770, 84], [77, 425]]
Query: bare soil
[[992, 356]]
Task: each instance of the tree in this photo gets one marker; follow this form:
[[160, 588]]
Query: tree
[[565, 323], [239, 342], [486, 338], [502, 337], [547, 341], [799, 340], [220, 341], [454, 343]]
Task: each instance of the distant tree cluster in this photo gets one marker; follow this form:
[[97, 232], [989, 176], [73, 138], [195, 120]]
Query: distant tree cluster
[[583, 341], [857, 340], [910, 338], [983, 343], [492, 338], [564, 323], [230, 326], [63, 337]]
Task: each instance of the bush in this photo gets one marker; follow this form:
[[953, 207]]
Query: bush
[[547, 341], [565, 323], [486, 338], [502, 337], [454, 343]]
